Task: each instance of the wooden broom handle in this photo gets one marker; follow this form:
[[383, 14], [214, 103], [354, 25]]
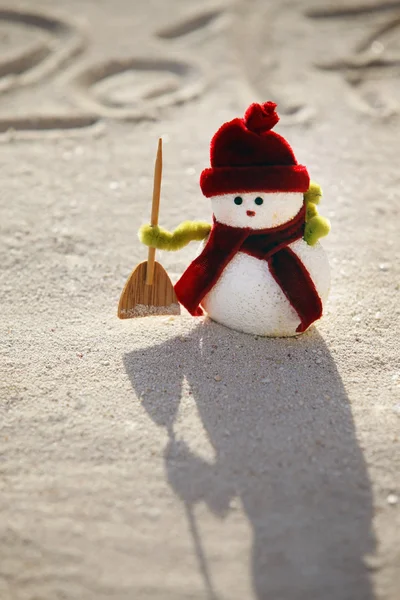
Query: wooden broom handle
[[155, 207]]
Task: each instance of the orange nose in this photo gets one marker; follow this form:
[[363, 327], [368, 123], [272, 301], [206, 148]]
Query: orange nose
[[250, 213]]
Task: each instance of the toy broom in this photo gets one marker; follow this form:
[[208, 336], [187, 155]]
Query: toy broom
[[148, 290]]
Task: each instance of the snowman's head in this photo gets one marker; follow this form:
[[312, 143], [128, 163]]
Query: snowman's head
[[257, 210], [245, 154]]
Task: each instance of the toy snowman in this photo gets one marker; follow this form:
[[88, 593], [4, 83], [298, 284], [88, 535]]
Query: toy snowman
[[261, 268]]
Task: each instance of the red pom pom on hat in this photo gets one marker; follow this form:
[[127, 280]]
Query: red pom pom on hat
[[246, 156], [261, 117]]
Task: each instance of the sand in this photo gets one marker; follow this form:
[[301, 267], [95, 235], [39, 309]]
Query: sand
[[169, 457]]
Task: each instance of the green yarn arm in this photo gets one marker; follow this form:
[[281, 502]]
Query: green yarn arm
[[313, 194], [311, 211], [186, 232], [316, 228], [316, 225]]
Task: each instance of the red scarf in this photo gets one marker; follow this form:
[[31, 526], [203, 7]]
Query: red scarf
[[271, 245]]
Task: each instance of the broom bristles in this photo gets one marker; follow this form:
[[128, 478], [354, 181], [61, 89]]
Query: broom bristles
[[146, 310]]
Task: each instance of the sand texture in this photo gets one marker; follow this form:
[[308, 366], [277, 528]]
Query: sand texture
[[170, 458]]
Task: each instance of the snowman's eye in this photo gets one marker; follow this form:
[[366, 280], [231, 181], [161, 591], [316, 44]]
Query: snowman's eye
[[238, 200], [259, 201]]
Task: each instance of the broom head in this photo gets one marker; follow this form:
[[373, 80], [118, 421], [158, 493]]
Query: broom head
[[140, 300]]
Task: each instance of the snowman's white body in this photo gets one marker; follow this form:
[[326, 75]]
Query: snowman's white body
[[246, 297]]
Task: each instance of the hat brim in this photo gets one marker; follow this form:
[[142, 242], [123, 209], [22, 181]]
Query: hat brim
[[229, 180]]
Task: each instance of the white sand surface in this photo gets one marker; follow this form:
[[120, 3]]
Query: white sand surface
[[172, 458]]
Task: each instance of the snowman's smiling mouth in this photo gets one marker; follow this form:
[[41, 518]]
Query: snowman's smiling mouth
[[250, 213]]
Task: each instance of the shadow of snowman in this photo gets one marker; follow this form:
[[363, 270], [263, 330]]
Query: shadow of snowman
[[280, 424]]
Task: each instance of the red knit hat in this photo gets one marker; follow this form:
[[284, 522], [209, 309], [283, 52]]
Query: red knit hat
[[246, 156]]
